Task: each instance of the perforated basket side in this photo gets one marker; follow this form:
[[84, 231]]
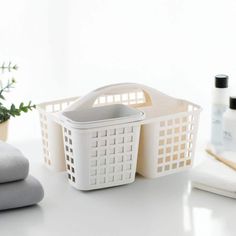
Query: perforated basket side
[[102, 157], [176, 141], [51, 132], [172, 143]]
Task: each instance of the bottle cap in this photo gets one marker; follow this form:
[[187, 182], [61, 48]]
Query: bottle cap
[[221, 81], [232, 103]]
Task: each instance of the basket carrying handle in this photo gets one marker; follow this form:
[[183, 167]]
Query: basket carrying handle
[[152, 97]]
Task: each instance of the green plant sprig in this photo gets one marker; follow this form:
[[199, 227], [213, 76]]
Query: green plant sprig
[[9, 67], [7, 113], [7, 88]]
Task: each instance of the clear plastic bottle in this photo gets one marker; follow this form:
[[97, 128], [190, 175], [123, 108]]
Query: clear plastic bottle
[[219, 105], [229, 126]]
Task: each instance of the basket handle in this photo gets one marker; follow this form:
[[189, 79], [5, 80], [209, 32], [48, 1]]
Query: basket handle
[[152, 96]]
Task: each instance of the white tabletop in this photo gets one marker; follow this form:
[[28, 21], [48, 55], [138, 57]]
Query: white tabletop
[[163, 206]]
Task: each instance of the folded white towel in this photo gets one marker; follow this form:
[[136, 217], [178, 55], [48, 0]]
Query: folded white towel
[[214, 176]]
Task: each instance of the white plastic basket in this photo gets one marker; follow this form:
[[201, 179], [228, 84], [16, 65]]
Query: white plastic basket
[[101, 145], [168, 133], [51, 132]]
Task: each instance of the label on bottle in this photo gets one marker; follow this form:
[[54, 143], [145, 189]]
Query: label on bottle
[[229, 136], [217, 124]]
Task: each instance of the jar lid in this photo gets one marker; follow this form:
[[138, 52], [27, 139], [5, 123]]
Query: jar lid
[[221, 81], [232, 103]]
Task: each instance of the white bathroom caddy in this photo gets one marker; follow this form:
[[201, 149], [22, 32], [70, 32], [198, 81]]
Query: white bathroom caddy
[[168, 133], [101, 145]]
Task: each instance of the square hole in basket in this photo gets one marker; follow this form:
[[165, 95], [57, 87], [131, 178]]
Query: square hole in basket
[[117, 98], [120, 140], [159, 169], [169, 131], [70, 141], [103, 171], [181, 164], [94, 153], [111, 150], [66, 138], [188, 162], [176, 148], [175, 157], [183, 137], [102, 180], [161, 151], [168, 158], [132, 96], [182, 155], [111, 160], [128, 175], [103, 143], [67, 148], [111, 169], [93, 172], [72, 169], [111, 178], [119, 168], [184, 128], [182, 146], [95, 134], [120, 159], [73, 178], [112, 141], [71, 150], [120, 149], [167, 167], [129, 139], [93, 181], [109, 99], [68, 167], [174, 165], [94, 163], [176, 130], [103, 133], [161, 142], [119, 177], [170, 122], [168, 150], [129, 157], [121, 131], [69, 176], [176, 139], [103, 152], [162, 133], [128, 166], [102, 99], [129, 148], [169, 141], [67, 157], [103, 161], [160, 160], [94, 144], [72, 160], [125, 97], [112, 132]]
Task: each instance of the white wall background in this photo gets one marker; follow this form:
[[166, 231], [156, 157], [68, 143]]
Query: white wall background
[[69, 47]]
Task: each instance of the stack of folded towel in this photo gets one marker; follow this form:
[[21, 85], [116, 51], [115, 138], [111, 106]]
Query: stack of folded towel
[[17, 189], [216, 175]]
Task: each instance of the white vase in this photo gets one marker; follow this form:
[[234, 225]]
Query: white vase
[[4, 130]]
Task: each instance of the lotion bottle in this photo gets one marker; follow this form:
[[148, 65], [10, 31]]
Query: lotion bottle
[[229, 126], [220, 98]]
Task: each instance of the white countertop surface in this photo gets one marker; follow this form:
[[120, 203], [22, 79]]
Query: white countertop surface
[[163, 206]]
